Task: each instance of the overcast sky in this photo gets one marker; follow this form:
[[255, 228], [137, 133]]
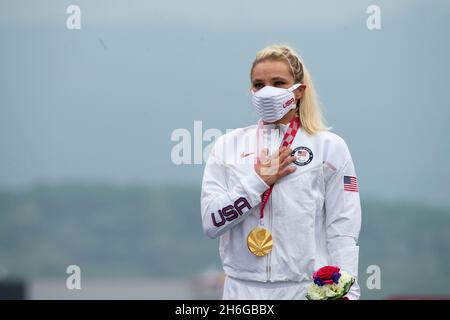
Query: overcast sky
[[100, 103]]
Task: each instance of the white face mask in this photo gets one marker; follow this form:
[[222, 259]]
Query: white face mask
[[273, 103]]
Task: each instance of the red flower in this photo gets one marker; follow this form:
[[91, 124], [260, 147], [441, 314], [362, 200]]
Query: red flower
[[328, 281], [326, 273]]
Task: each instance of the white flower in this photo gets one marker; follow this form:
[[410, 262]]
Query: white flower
[[344, 279], [315, 292], [336, 288], [329, 293]]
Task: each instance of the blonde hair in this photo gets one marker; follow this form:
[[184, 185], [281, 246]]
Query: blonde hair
[[309, 109]]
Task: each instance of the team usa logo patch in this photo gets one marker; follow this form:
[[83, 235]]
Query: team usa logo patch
[[305, 155], [350, 183]]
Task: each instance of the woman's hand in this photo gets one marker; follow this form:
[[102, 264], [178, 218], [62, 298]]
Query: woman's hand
[[275, 166]]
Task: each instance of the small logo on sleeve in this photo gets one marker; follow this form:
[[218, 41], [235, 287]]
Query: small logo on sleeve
[[350, 183], [246, 154]]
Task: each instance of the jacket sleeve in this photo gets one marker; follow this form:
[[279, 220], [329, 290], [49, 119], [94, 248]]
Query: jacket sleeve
[[343, 217], [223, 206]]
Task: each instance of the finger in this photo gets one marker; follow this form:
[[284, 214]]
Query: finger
[[278, 160], [288, 170], [286, 152], [277, 152], [288, 160], [275, 157], [266, 162], [282, 149], [264, 152]]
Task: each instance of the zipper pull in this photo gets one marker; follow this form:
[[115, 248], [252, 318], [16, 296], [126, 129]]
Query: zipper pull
[[268, 272]]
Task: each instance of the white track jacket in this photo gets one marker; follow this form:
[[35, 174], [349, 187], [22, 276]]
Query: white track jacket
[[314, 213]]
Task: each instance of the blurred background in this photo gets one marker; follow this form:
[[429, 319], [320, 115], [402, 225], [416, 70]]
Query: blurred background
[[87, 176]]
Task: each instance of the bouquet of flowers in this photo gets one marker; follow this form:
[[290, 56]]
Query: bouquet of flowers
[[330, 283]]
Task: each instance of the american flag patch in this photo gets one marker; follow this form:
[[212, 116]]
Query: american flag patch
[[350, 183]]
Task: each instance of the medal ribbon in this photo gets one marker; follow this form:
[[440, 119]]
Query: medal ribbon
[[288, 137]]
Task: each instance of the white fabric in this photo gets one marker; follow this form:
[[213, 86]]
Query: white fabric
[[237, 289], [314, 222], [272, 103]]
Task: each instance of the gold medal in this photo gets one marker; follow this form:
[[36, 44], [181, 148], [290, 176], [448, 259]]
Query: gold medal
[[259, 241]]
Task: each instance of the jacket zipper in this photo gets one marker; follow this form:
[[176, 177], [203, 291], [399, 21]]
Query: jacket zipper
[[269, 256]]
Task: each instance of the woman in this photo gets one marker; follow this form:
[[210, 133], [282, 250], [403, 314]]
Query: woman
[[282, 195]]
